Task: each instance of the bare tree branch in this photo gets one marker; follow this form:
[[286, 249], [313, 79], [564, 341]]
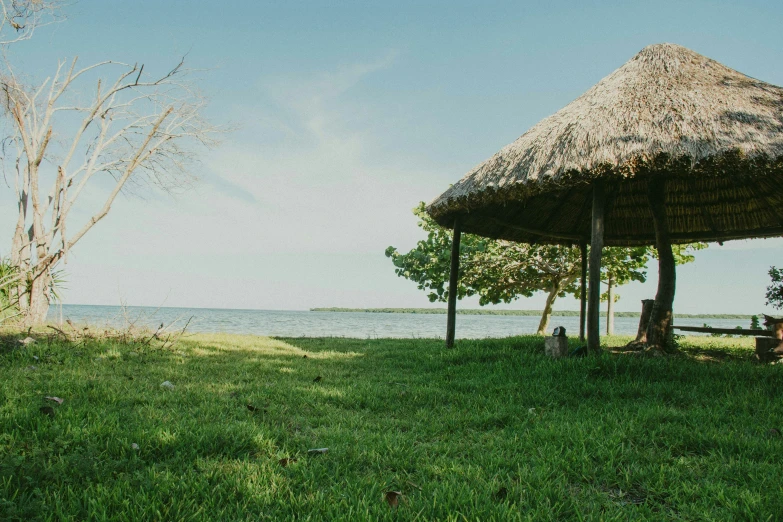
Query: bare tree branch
[[136, 128], [20, 18]]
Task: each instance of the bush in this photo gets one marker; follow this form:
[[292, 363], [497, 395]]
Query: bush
[[755, 323]]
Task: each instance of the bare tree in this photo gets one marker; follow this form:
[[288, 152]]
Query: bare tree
[[134, 130], [20, 18]]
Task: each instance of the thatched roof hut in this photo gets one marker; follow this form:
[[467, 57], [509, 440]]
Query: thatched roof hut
[[672, 147], [714, 132]]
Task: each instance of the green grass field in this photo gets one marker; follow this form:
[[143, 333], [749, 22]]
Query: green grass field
[[490, 430]]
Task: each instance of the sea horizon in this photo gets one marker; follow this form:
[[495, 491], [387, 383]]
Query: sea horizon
[[306, 323], [344, 309]]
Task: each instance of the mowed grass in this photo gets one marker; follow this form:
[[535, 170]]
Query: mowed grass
[[490, 430]]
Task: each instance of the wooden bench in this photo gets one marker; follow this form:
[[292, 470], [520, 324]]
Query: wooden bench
[[769, 343], [730, 331]]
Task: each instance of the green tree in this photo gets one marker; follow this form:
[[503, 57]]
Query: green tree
[[497, 271], [775, 289], [755, 323], [620, 266], [502, 271], [428, 263], [684, 253]]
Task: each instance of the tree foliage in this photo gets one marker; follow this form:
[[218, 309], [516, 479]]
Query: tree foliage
[[628, 264], [622, 265], [428, 263], [496, 271], [775, 289], [500, 271]]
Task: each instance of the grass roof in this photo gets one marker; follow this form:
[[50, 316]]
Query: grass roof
[[715, 133]]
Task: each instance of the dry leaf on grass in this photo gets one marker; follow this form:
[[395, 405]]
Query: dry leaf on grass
[[392, 498], [317, 451], [55, 399]]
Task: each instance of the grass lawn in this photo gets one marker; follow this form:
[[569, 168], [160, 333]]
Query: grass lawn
[[490, 430]]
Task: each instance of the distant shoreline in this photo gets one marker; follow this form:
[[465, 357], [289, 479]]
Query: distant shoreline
[[479, 311]]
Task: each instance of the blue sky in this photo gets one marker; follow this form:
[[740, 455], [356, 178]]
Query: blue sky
[[349, 115]]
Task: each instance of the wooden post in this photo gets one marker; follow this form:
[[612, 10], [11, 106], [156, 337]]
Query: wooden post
[[771, 350], [661, 318], [451, 315], [596, 246], [644, 320], [775, 324], [583, 292]]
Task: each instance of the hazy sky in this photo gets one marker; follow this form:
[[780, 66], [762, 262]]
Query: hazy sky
[[352, 112]]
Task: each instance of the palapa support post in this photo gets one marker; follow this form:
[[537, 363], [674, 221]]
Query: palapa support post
[[596, 246], [451, 314], [583, 291], [662, 312]]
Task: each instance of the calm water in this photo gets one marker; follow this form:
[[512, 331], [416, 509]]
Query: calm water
[[337, 324]]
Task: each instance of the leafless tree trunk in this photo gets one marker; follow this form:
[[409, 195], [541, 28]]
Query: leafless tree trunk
[[133, 129], [644, 321], [18, 21]]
